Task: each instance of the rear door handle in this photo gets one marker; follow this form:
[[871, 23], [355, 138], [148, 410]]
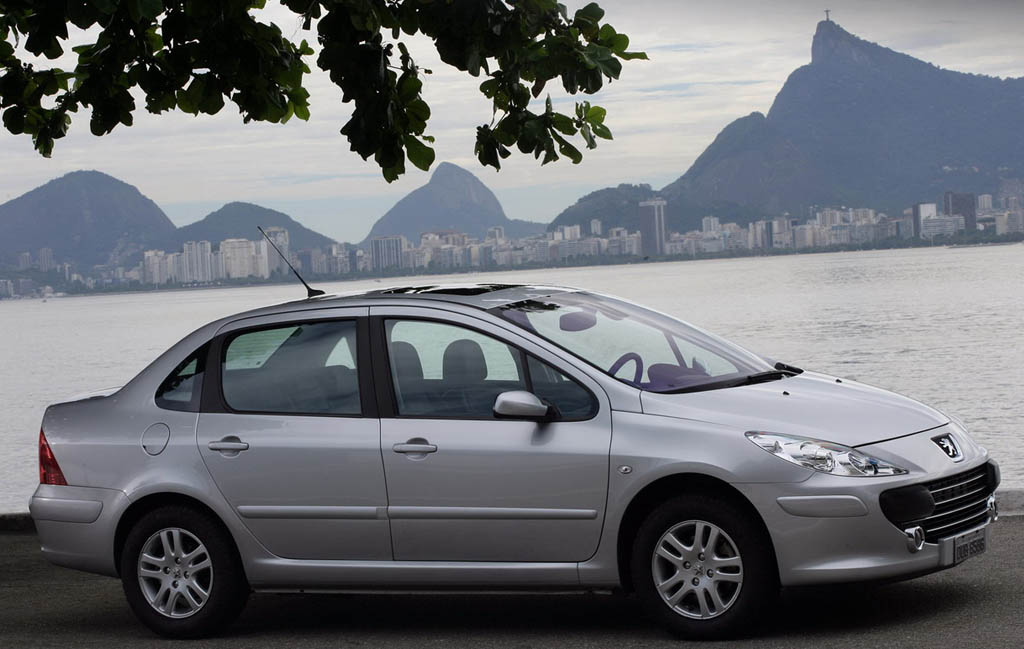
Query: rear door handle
[[229, 444], [415, 448]]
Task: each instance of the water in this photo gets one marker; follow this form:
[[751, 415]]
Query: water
[[942, 325]]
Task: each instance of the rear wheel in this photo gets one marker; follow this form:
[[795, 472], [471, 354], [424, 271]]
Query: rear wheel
[[181, 573], [702, 568]]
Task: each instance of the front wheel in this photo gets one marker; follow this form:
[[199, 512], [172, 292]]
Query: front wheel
[[702, 568], [181, 574]]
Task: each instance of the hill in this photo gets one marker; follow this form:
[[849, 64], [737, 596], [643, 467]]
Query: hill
[[239, 221], [861, 125], [453, 199], [86, 216]]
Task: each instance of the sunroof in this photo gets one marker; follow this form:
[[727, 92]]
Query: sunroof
[[451, 289]]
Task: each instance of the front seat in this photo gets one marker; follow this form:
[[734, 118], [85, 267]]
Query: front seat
[[464, 369], [408, 371]]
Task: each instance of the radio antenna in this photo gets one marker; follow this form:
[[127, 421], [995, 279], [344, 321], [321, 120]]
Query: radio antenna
[[310, 291]]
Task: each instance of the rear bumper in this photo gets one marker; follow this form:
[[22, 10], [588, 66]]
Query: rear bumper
[[76, 525]]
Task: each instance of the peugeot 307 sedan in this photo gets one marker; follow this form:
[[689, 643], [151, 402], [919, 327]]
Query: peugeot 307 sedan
[[486, 437]]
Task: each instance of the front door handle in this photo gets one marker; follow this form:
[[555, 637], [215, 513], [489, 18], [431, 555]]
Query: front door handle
[[415, 447], [230, 445]]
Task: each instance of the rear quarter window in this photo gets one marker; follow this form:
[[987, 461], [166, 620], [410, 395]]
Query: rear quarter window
[[182, 388]]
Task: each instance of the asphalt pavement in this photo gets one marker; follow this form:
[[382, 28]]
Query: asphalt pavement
[[977, 604]]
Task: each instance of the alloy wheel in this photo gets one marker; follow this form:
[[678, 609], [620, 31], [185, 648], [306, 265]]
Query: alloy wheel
[[697, 569], [175, 572]]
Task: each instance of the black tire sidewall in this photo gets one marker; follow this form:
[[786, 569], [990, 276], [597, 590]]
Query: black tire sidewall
[[760, 575], [229, 591]]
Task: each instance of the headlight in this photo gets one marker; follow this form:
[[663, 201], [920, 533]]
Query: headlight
[[825, 457]]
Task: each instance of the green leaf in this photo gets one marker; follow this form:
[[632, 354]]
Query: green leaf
[[596, 115], [149, 9], [601, 131], [105, 6], [563, 123], [14, 120], [567, 149], [419, 154]]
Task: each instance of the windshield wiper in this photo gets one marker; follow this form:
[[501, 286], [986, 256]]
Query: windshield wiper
[[763, 377], [750, 379]]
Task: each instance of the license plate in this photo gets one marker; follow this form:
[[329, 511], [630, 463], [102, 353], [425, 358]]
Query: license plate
[[968, 545]]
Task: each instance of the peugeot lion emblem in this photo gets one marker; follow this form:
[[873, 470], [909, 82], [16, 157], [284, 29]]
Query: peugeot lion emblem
[[949, 447]]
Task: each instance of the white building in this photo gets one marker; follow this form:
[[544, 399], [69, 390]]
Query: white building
[[238, 255]]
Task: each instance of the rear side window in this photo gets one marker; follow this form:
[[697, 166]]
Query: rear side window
[[181, 390], [303, 369]]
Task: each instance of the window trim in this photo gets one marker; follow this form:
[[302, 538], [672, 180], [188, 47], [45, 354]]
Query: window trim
[[214, 400], [201, 354], [388, 403]]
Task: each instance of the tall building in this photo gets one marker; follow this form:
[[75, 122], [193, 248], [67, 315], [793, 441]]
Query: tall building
[[652, 232], [596, 227], [386, 251], [984, 202], [280, 238], [24, 260], [46, 262], [238, 257], [965, 205], [154, 267], [198, 261], [922, 211], [497, 233], [710, 224]]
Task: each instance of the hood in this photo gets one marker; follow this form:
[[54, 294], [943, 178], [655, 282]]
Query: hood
[[808, 405]]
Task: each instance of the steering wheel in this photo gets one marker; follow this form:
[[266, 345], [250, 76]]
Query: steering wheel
[[625, 358]]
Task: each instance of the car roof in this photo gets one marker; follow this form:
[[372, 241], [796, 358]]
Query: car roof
[[478, 295]]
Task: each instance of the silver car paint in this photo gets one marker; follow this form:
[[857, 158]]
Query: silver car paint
[[98, 443]]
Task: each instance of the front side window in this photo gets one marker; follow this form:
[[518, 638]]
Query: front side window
[[308, 368], [181, 389], [637, 346], [570, 399], [443, 370]]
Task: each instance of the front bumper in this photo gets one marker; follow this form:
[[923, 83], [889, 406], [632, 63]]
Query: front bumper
[[831, 529], [76, 525]]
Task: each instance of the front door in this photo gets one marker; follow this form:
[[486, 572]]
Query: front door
[[291, 443], [464, 486]]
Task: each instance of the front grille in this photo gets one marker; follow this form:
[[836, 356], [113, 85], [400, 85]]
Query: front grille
[[961, 502], [943, 507]]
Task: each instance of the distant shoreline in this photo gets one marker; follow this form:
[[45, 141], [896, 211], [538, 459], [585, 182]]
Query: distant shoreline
[[585, 262]]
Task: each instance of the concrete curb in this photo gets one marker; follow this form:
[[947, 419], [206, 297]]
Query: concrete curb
[[1011, 503]]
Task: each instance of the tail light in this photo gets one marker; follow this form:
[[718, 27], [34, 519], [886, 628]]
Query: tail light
[[49, 470]]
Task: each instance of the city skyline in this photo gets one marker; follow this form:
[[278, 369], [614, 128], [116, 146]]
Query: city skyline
[[199, 263]]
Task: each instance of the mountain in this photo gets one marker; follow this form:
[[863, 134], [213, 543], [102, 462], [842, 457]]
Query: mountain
[[861, 125], [239, 221], [87, 216], [453, 199]]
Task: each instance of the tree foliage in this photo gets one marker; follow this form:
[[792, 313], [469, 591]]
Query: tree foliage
[[194, 55]]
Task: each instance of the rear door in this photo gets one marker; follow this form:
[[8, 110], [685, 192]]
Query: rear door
[[289, 432], [464, 486]]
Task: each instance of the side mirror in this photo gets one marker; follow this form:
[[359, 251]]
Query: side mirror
[[520, 404]]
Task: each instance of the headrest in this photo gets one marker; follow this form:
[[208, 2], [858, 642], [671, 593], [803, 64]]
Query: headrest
[[464, 362], [406, 361]]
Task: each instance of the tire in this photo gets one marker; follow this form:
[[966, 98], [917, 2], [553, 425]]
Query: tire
[[743, 583], [185, 603]]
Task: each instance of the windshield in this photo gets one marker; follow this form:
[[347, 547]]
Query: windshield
[[640, 347]]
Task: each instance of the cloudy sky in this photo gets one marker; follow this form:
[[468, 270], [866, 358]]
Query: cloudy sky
[[710, 63]]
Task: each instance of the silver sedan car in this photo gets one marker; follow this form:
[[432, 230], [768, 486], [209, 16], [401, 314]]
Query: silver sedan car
[[485, 437]]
